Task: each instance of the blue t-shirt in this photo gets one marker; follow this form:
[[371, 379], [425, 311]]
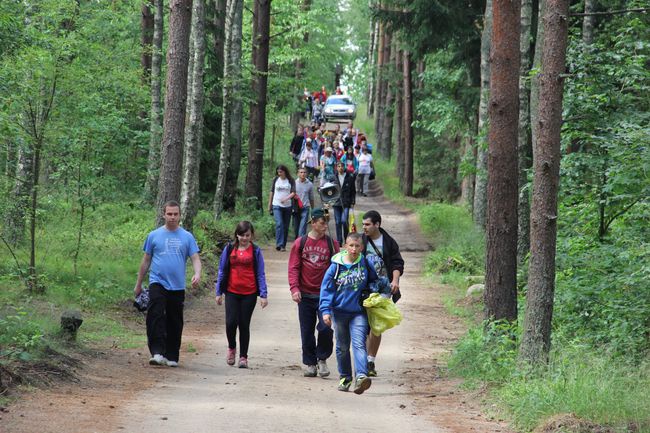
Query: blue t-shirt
[[169, 251]]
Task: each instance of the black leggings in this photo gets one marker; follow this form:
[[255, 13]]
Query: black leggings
[[239, 310]]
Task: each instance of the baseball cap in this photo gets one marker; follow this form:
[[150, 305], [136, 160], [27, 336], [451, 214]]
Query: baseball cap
[[328, 149], [317, 213]]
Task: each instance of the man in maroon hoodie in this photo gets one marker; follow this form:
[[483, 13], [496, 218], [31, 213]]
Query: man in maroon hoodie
[[309, 259]]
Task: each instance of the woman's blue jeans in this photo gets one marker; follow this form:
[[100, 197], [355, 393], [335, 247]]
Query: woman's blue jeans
[[282, 216], [351, 329], [341, 215]]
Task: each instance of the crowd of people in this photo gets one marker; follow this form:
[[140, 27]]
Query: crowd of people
[[327, 279], [315, 103]]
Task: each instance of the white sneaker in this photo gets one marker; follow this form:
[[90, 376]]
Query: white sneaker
[[323, 371], [158, 359], [171, 363]]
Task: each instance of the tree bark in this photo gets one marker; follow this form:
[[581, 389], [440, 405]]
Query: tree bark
[[588, 23], [399, 118], [386, 145], [298, 74], [146, 40], [155, 125], [231, 125], [14, 231], [194, 137], [378, 108], [372, 47], [525, 147], [536, 338], [257, 119], [480, 186], [534, 82], [501, 230], [407, 186], [467, 180], [169, 183]]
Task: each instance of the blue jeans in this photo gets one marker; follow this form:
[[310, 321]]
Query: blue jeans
[[341, 215], [282, 216], [314, 349], [351, 328], [300, 221]]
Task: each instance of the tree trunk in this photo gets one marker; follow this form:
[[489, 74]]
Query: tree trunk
[[407, 186], [257, 119], [14, 230], [155, 126], [169, 183], [524, 147], [399, 119], [467, 180], [385, 147], [588, 23], [372, 47], [537, 61], [480, 186], [212, 117], [536, 338], [194, 137], [298, 74], [146, 39], [501, 230], [378, 108], [230, 136]]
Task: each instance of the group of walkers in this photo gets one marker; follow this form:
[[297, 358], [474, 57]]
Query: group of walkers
[[315, 103], [327, 281]]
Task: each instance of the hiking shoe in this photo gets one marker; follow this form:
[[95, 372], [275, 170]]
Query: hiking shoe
[[172, 363], [371, 369], [158, 359], [310, 371], [344, 384], [243, 362], [230, 358], [361, 384], [323, 371]]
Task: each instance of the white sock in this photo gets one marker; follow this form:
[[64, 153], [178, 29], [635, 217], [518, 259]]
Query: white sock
[[371, 358]]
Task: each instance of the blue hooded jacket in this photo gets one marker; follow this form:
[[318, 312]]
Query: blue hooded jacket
[[343, 283]]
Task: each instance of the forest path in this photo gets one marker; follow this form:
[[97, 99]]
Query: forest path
[[122, 393]]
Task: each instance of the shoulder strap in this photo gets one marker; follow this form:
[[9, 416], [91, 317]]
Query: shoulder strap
[[330, 245], [303, 241], [336, 274], [375, 248]]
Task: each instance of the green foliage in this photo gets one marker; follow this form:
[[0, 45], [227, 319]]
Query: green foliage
[[458, 244], [18, 335]]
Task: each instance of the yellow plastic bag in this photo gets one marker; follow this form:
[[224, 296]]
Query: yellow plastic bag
[[382, 313], [353, 225]]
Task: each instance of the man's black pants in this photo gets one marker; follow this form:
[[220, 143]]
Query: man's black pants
[[165, 321]]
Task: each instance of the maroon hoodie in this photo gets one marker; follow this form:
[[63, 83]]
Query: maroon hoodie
[[306, 272]]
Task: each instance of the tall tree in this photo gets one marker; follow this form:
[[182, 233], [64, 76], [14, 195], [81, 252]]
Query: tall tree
[[480, 186], [299, 71], [169, 183], [536, 338], [537, 61], [379, 72], [399, 118], [155, 124], [386, 145], [146, 39], [407, 129], [194, 136], [257, 119], [231, 122], [372, 49], [525, 146], [501, 229], [588, 23]]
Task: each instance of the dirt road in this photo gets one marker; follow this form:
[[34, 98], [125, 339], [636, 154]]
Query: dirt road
[[121, 393]]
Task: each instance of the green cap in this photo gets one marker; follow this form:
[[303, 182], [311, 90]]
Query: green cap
[[317, 213]]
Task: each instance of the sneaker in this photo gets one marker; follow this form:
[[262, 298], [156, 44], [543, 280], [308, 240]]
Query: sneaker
[[172, 363], [230, 358], [362, 383], [158, 359], [278, 248], [310, 371], [243, 362], [371, 369], [344, 384], [323, 371]]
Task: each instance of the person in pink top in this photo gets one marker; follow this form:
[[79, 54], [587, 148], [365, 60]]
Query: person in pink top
[[308, 260]]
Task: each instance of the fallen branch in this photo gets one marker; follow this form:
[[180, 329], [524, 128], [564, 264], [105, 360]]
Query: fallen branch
[[617, 12]]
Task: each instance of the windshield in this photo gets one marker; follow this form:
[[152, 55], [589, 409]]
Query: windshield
[[344, 100]]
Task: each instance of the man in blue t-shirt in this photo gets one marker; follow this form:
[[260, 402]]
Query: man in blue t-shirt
[[166, 251]]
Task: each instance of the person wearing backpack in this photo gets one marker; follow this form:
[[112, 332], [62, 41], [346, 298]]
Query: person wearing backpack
[[240, 280], [346, 283], [308, 260]]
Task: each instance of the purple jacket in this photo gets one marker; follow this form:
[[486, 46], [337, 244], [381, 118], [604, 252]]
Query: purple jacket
[[221, 286]]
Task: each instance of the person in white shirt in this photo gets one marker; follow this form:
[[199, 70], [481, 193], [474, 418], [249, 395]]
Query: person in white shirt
[[365, 168], [283, 189]]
